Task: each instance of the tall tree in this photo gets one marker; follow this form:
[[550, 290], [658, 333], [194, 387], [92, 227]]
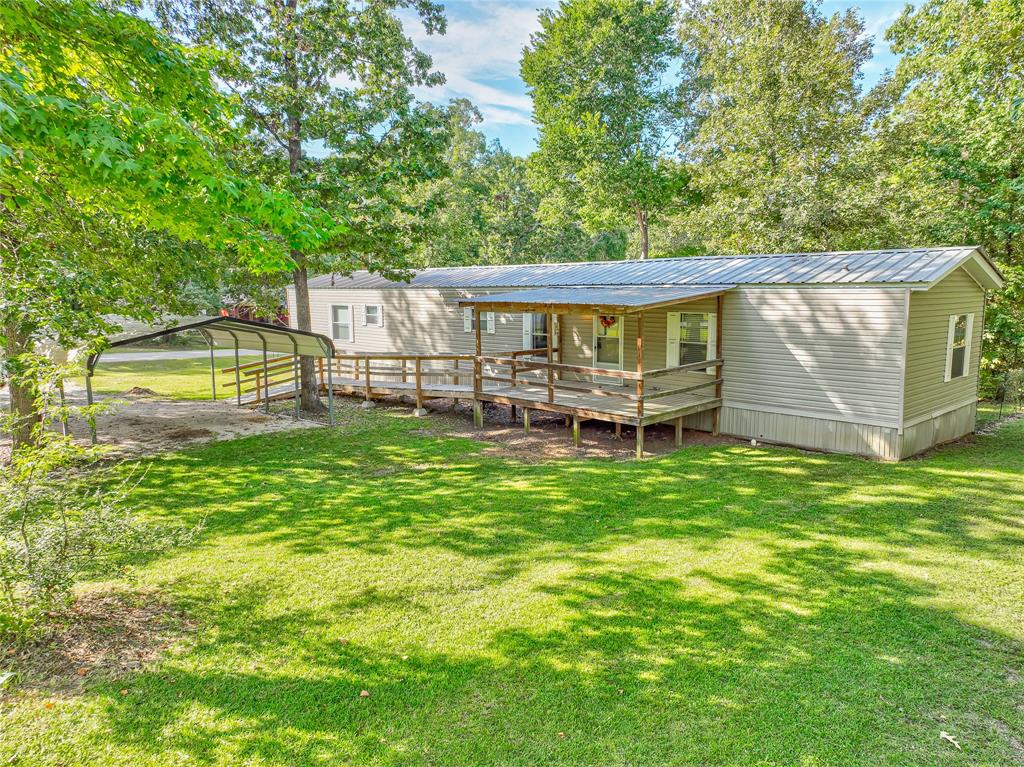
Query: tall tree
[[110, 177], [951, 130], [326, 87], [608, 105], [780, 121]]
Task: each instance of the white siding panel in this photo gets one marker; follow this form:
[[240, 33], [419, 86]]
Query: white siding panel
[[942, 428], [827, 353], [926, 390]]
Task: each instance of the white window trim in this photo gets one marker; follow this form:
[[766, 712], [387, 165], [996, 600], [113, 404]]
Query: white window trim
[[528, 330], [967, 345], [672, 339], [467, 321], [348, 310], [380, 316]]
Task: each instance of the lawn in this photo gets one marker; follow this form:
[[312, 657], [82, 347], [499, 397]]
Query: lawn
[[180, 378], [718, 606]]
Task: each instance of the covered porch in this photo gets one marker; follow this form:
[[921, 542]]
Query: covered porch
[[598, 362]]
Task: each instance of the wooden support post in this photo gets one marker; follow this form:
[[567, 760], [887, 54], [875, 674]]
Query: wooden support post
[[576, 430], [618, 430], [513, 413], [478, 406], [639, 441], [526, 420], [715, 414], [419, 388], [551, 372], [640, 368], [455, 379], [679, 431], [368, 401], [405, 375]]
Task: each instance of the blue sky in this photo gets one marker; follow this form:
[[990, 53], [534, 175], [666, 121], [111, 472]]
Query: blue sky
[[480, 53]]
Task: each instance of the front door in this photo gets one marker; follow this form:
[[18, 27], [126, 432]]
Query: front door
[[607, 345]]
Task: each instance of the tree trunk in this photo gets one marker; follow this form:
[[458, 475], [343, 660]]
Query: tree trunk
[[641, 222], [22, 389], [309, 395]]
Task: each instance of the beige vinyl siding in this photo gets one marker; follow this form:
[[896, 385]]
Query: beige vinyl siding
[[416, 321], [827, 353], [815, 433], [942, 428], [926, 391], [578, 337]]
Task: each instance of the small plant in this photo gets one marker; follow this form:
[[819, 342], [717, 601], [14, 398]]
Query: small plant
[[65, 516]]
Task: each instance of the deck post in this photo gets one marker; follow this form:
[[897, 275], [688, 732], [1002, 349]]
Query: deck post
[[330, 390], [420, 410], [478, 406], [455, 377], [640, 367], [639, 441], [368, 402], [618, 430], [576, 430], [551, 372], [526, 420], [679, 431], [719, 303]]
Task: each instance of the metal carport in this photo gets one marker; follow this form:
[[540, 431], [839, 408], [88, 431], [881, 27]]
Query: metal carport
[[235, 333]]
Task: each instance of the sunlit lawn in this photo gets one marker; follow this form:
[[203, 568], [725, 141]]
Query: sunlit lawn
[[181, 378], [718, 606]]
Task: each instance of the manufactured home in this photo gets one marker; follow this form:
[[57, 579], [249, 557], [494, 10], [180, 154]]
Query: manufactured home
[[874, 353]]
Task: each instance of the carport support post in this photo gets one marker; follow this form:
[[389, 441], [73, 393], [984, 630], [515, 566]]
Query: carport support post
[[330, 390], [295, 373], [266, 377], [238, 380], [88, 402], [213, 367]]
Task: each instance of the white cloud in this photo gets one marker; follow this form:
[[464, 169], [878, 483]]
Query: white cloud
[[479, 55]]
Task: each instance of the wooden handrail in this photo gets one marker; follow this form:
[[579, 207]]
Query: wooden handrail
[[361, 357], [682, 390], [683, 368], [567, 387], [258, 363], [628, 375]]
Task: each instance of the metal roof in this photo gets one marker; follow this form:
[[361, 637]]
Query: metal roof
[[625, 298], [227, 331], [904, 265]]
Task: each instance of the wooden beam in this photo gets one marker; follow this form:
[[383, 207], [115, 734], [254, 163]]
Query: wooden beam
[[640, 365], [551, 371]]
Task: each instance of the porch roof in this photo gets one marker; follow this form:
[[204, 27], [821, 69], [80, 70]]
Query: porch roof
[[613, 300]]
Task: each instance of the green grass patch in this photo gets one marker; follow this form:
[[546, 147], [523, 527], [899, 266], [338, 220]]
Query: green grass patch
[[718, 606], [180, 378]]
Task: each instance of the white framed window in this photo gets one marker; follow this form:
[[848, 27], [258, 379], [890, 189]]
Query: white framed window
[[692, 337], [486, 321], [535, 330], [958, 345], [373, 315], [341, 323]]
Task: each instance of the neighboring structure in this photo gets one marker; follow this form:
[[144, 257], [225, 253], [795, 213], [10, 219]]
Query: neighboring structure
[[874, 353]]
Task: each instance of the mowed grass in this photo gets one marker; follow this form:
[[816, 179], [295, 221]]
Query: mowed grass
[[179, 378], [718, 606]]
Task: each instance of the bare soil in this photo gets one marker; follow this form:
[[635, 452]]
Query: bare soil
[[106, 633]]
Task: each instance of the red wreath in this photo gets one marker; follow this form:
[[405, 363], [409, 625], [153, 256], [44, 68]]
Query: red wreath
[[607, 320]]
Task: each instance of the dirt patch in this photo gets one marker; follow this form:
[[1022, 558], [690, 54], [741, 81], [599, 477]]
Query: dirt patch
[[105, 634], [141, 391], [549, 435], [189, 433]]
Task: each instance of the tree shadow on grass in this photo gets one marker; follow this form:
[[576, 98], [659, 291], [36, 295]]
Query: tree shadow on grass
[[813, 660]]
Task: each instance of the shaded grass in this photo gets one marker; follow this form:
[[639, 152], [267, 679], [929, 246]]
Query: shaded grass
[[179, 378], [718, 606]]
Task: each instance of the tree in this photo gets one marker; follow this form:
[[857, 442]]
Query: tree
[[608, 119], [326, 88], [780, 120], [950, 127], [484, 211], [110, 162]]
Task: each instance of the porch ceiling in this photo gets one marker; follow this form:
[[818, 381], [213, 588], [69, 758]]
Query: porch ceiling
[[610, 300]]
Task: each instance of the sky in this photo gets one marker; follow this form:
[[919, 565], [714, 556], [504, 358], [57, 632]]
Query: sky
[[479, 56]]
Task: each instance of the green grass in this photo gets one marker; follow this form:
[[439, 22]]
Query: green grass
[[718, 606], [179, 378]]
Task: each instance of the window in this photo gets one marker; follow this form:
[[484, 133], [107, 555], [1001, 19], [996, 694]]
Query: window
[[535, 330], [341, 323], [373, 315], [486, 321], [958, 345], [691, 338]]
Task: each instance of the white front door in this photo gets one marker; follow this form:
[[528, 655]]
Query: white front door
[[607, 348]]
